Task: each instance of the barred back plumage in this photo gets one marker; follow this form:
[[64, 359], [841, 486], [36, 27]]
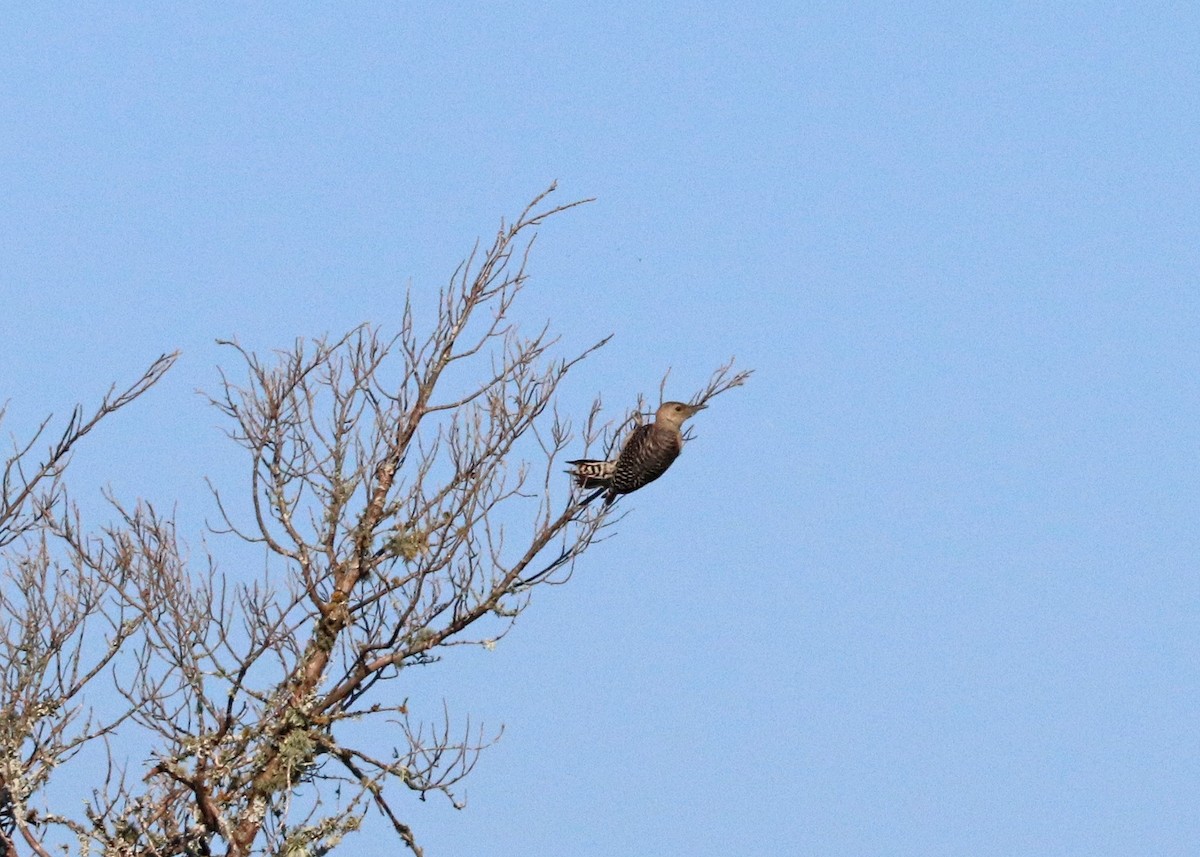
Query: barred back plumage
[[647, 453]]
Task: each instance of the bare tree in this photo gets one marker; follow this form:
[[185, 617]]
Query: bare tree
[[407, 490]]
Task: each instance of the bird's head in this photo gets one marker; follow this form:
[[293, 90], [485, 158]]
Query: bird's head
[[674, 413]]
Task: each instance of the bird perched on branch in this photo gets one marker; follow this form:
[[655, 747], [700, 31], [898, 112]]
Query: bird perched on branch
[[645, 456]]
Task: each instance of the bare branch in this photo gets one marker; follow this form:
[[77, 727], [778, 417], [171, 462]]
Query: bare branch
[[20, 484], [723, 379]]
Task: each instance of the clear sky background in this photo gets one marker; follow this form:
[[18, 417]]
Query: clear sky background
[[928, 585]]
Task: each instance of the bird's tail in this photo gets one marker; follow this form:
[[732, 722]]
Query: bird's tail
[[590, 473]]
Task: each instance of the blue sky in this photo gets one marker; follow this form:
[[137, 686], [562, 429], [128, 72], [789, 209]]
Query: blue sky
[[926, 586]]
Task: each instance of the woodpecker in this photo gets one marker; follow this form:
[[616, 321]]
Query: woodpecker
[[646, 455]]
